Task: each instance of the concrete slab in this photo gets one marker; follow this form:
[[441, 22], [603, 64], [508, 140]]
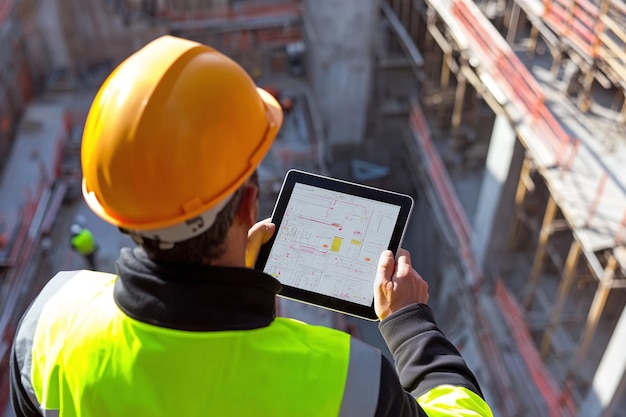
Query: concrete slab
[[31, 166], [594, 210]]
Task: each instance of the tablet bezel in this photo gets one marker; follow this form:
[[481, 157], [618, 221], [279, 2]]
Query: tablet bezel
[[405, 202]]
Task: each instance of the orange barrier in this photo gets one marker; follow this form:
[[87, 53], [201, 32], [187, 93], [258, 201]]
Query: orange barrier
[[278, 36], [439, 174], [557, 404], [477, 26], [528, 91], [5, 9], [454, 212], [445, 192], [577, 21], [508, 402], [241, 41], [268, 27], [244, 11], [613, 40]]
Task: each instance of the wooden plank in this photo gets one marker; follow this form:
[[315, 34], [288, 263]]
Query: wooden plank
[[563, 292], [403, 36], [520, 195], [619, 6], [616, 65], [597, 307], [612, 46], [588, 6], [477, 25], [620, 256], [544, 236], [563, 138], [615, 27], [572, 29], [588, 17], [526, 87], [58, 194], [514, 19], [567, 25]]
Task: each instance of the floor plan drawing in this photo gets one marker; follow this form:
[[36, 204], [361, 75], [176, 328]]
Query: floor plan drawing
[[329, 242]]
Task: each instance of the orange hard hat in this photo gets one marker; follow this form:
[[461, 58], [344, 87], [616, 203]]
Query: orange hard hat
[[171, 134]]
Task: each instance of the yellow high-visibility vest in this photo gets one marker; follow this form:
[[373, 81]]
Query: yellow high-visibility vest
[[91, 359], [84, 242], [85, 357]]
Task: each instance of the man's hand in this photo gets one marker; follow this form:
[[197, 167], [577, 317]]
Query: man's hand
[[397, 284], [258, 234]]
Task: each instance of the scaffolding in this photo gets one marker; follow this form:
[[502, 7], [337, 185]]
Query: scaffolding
[[592, 35], [586, 195]]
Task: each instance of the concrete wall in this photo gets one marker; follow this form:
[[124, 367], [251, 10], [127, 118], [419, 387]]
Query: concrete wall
[[341, 36], [495, 204], [52, 31], [609, 383]]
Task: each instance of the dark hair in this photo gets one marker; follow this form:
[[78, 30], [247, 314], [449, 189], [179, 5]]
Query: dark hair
[[206, 247]]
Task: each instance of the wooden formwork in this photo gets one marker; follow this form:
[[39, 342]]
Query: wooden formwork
[[473, 50], [592, 34]]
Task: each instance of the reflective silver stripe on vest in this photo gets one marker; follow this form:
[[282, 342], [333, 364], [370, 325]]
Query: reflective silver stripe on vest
[[360, 397], [23, 344]]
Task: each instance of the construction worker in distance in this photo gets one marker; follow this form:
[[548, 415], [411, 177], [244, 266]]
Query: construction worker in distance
[[187, 328], [84, 243]]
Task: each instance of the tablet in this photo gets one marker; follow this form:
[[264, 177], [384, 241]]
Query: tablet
[[328, 239]]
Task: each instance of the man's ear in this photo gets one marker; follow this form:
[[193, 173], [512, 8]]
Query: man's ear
[[249, 206]]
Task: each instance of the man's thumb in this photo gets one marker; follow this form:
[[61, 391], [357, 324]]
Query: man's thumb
[[258, 234], [386, 265]]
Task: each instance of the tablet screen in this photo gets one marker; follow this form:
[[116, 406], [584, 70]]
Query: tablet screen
[[329, 242], [329, 236]]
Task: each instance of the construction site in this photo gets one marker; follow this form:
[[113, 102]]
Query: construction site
[[504, 119]]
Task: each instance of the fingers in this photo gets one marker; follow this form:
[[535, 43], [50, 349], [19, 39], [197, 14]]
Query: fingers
[[386, 266], [383, 284], [389, 268], [404, 254], [397, 284], [260, 230], [258, 234], [403, 267]]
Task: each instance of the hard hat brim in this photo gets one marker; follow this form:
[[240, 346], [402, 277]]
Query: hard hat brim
[[274, 110], [275, 119]]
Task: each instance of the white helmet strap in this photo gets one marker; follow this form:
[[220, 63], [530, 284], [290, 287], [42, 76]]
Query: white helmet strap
[[188, 229]]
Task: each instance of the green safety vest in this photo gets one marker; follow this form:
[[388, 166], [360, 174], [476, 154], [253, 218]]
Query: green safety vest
[[90, 359], [84, 242]]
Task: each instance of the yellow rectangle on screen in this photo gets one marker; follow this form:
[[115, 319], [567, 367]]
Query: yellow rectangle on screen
[[336, 245], [356, 242]]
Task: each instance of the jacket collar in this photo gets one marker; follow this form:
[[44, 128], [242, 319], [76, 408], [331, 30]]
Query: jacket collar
[[191, 297]]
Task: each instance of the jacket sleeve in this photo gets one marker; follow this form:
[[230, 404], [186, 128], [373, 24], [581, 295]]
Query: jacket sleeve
[[434, 380], [23, 395], [22, 405]]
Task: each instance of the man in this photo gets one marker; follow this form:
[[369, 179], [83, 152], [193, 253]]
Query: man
[[84, 243], [170, 150]]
